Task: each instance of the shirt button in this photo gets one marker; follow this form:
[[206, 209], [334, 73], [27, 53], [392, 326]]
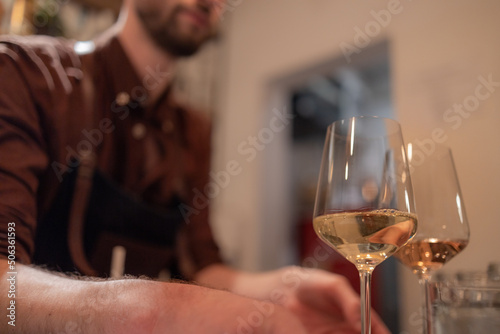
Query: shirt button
[[122, 98], [167, 126], [139, 131]]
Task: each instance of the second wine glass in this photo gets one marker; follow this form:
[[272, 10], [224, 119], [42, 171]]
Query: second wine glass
[[443, 230], [364, 203]]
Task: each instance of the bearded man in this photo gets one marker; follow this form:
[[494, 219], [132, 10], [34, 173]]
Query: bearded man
[[97, 160]]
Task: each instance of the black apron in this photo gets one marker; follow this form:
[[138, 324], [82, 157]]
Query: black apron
[[113, 217]]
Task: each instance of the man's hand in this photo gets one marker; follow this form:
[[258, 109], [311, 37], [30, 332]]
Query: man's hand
[[323, 302], [214, 311]]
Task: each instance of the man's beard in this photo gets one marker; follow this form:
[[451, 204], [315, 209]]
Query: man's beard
[[165, 33]]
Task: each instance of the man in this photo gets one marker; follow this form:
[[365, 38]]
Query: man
[[77, 125]]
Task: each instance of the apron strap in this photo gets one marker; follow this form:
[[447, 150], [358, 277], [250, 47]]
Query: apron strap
[[83, 184]]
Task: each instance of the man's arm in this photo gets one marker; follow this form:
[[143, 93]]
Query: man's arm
[[42, 302], [51, 303]]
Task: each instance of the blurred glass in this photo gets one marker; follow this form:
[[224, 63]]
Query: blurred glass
[[468, 303]]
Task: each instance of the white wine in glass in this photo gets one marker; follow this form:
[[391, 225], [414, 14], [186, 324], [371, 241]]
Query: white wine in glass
[[364, 205], [443, 230]]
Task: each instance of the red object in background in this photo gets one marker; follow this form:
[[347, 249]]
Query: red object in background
[[312, 253]]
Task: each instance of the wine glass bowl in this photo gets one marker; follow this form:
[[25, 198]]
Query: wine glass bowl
[[425, 256], [366, 238], [364, 205], [443, 230]]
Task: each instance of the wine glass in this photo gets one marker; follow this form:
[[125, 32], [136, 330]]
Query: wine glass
[[443, 230], [364, 205]]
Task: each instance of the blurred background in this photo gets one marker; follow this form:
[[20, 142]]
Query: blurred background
[[281, 71]]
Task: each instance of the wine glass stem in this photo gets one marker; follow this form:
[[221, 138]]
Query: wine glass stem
[[365, 277], [427, 307]]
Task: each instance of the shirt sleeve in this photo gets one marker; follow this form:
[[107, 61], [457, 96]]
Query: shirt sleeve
[[22, 157]]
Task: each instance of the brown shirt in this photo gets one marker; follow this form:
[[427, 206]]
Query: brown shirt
[[48, 116]]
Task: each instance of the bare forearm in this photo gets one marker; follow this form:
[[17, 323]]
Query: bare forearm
[[47, 303], [41, 302]]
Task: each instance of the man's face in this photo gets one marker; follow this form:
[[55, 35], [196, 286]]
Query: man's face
[[179, 26]]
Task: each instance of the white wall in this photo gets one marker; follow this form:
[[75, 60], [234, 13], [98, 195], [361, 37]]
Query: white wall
[[439, 51]]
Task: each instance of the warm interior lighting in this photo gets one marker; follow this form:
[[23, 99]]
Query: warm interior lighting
[[17, 16]]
